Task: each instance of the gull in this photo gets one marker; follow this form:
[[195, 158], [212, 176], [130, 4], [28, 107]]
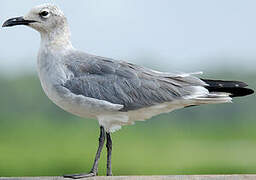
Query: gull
[[116, 93]]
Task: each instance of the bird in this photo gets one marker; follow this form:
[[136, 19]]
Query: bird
[[114, 92]]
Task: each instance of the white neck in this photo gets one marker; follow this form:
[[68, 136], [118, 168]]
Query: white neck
[[56, 40]]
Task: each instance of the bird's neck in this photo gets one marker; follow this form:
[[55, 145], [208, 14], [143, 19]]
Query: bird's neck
[[58, 40]]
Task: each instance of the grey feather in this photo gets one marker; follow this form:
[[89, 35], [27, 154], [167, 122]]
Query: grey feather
[[124, 83]]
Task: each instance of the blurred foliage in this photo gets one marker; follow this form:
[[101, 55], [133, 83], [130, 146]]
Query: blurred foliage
[[38, 138]]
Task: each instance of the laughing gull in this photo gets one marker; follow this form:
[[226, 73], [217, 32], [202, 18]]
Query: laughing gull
[[116, 93]]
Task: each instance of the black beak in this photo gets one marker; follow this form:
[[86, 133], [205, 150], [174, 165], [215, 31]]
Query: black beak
[[17, 21]]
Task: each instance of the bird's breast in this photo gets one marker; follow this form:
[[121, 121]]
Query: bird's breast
[[51, 73]]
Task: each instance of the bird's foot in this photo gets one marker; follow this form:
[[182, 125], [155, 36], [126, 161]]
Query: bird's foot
[[79, 176]]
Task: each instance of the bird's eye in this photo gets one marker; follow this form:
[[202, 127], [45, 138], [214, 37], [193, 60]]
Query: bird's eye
[[44, 13]]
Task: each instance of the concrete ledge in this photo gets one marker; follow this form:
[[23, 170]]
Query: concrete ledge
[[171, 177]]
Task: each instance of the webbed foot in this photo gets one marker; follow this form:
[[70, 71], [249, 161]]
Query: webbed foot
[[79, 176]]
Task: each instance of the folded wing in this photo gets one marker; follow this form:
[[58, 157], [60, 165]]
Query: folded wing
[[127, 84]]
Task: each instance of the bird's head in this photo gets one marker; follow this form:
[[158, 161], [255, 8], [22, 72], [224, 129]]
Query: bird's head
[[50, 21], [46, 18]]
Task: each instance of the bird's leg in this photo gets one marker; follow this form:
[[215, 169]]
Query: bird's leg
[[94, 169], [109, 151], [97, 157]]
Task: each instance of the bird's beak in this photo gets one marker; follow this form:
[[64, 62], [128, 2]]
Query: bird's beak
[[17, 21]]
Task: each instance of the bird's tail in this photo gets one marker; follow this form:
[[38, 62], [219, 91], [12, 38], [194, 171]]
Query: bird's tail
[[220, 92]]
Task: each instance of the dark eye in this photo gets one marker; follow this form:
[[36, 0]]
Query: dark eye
[[44, 13]]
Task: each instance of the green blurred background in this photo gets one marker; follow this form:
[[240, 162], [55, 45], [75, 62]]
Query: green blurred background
[[217, 37], [38, 138]]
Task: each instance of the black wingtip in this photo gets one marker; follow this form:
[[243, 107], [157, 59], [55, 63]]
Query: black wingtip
[[249, 91], [239, 92], [235, 88], [225, 84]]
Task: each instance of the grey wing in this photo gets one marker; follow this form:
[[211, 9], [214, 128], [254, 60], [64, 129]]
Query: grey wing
[[124, 83]]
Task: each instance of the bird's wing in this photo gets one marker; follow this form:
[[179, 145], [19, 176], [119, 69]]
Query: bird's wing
[[123, 83]]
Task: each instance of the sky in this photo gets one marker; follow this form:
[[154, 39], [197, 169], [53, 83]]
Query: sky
[[170, 35]]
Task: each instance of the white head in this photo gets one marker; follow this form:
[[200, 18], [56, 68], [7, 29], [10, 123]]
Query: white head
[[47, 19]]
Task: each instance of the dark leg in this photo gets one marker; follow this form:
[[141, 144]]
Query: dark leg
[[109, 150], [94, 169], [101, 144]]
